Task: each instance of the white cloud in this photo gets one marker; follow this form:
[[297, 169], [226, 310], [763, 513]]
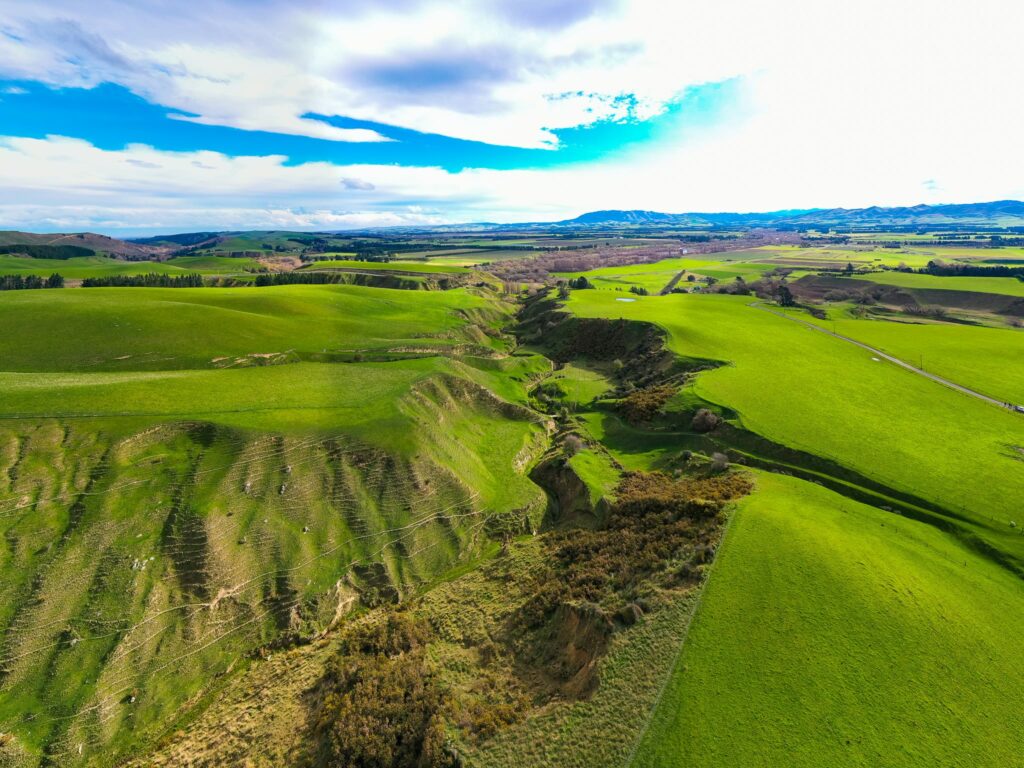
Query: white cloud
[[499, 72], [752, 168], [877, 102]]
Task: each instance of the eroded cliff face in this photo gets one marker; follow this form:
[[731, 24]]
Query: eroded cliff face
[[140, 566]]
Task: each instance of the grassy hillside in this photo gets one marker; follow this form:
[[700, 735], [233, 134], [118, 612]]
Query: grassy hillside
[[834, 634], [176, 328], [822, 395], [653, 277], [388, 266], [79, 268], [178, 490]]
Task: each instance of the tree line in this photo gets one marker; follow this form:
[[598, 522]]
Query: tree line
[[151, 280], [947, 269], [29, 282], [294, 278], [60, 252]]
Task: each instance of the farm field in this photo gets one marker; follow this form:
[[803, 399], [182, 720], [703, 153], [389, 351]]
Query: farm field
[[1008, 286], [469, 258], [652, 277], [385, 266], [833, 633], [868, 255], [831, 399], [207, 492], [970, 355]]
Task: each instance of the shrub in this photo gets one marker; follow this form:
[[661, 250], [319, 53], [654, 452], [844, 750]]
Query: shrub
[[381, 706], [719, 462], [573, 445], [656, 520], [837, 294], [644, 404], [705, 421]]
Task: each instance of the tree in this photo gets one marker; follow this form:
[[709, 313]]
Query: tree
[[786, 297], [580, 283], [55, 281], [849, 267]]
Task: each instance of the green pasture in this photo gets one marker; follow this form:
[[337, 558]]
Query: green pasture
[[832, 633], [298, 396], [819, 394], [578, 385], [1007, 286], [724, 270], [82, 267], [979, 357], [654, 276], [386, 266], [173, 328]]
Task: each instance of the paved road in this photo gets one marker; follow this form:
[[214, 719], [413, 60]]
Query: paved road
[[890, 358]]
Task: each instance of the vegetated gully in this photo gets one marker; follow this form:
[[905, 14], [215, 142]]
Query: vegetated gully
[[565, 339]]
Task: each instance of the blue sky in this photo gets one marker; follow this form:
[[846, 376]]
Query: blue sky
[[139, 117], [111, 117]]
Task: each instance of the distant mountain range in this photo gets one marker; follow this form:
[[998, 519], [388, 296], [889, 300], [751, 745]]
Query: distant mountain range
[[1001, 213], [993, 216]]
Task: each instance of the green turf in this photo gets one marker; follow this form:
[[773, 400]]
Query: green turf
[[834, 634], [212, 264], [579, 385]]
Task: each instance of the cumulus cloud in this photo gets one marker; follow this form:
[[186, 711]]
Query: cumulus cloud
[[843, 103], [499, 71]]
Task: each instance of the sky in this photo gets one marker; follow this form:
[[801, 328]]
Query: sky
[[156, 116]]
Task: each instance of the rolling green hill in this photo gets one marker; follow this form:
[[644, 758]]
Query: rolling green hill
[[156, 328], [818, 394], [307, 524], [834, 634]]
